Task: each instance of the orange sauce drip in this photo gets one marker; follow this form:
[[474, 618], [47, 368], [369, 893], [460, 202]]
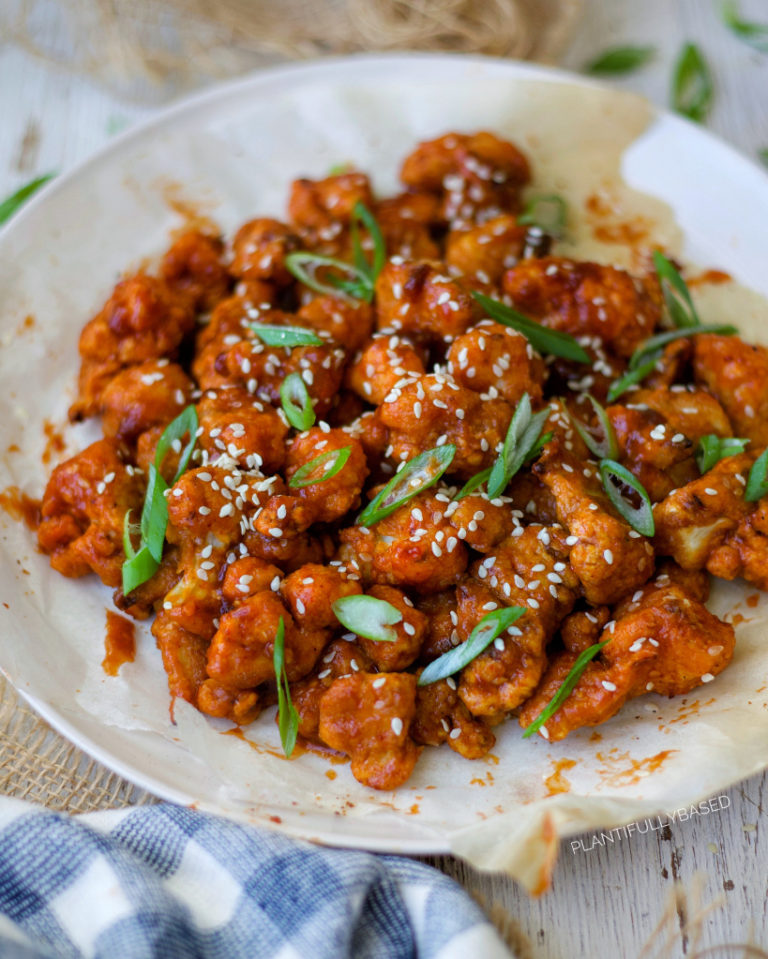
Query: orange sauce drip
[[119, 643], [556, 781], [753, 600], [54, 442], [710, 276], [20, 506]]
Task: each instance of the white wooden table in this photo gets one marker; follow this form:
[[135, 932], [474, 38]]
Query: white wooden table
[[606, 902]]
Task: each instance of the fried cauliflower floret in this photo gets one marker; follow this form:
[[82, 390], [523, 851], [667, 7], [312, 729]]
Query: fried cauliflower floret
[[347, 322], [582, 629], [83, 509], [241, 651], [736, 373], [311, 591], [492, 356], [399, 654], [696, 519], [415, 547], [381, 364], [241, 706], [228, 325], [340, 658], [259, 250], [442, 717], [694, 413], [193, 267], [433, 410], [368, 717], [608, 556], [250, 432], [585, 299], [141, 397], [666, 641], [442, 620], [247, 576], [142, 320], [331, 498], [415, 297], [476, 176], [148, 597], [320, 205], [486, 251], [482, 523], [183, 654], [406, 222]]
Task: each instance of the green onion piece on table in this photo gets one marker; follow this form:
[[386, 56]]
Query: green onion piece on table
[[369, 617], [755, 34], [490, 627], [620, 60], [693, 90], [417, 475], [16, 200]]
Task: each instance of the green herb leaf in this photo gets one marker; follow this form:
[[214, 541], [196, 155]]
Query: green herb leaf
[[713, 448], [522, 435], [185, 423], [369, 617], [487, 630], [472, 484], [321, 468], [138, 569], [417, 475], [676, 293], [540, 337], [549, 212], [629, 379], [287, 336], [538, 446], [755, 34], [296, 402], [287, 714], [757, 482], [640, 517], [607, 447], [692, 87], [12, 203], [362, 215], [564, 691], [652, 347], [619, 60], [763, 154]]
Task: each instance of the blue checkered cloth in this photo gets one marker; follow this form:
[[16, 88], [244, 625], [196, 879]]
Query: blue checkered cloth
[[169, 882]]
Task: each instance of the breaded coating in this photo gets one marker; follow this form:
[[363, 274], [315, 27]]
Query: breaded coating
[[381, 364], [259, 250], [250, 432], [484, 252], [687, 410], [310, 592], [442, 717], [482, 523], [348, 323], [398, 655], [333, 498], [736, 373], [142, 397], [407, 222], [442, 620], [193, 267]]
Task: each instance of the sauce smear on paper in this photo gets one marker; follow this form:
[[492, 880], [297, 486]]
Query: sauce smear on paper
[[119, 643], [20, 506]]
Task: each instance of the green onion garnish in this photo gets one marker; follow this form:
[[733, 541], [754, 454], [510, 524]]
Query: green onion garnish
[[369, 617], [676, 293], [549, 212], [763, 154], [321, 468], [630, 379], [713, 448], [417, 475], [564, 691], [755, 34], [652, 347], [540, 337], [287, 714], [692, 87], [357, 281], [607, 447], [296, 402], [538, 446], [757, 482], [472, 484], [286, 336], [142, 564], [620, 60], [522, 435], [12, 203], [640, 517], [486, 631]]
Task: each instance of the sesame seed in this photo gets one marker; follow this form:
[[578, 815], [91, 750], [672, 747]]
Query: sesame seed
[[204, 511], [455, 733], [451, 682], [397, 725], [611, 687], [275, 584], [276, 532], [378, 683], [707, 678], [608, 556], [710, 492]]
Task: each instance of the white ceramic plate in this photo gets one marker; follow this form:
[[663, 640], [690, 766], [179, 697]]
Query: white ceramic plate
[[234, 151]]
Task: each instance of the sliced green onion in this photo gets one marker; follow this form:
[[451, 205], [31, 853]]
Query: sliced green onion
[[12, 203], [137, 567], [538, 446], [321, 468], [763, 154], [361, 214], [287, 714], [631, 378], [564, 691], [549, 212], [713, 448], [757, 482], [654, 344], [620, 60], [489, 628], [540, 337], [640, 517], [339, 169], [676, 293], [755, 34], [474, 483], [608, 447], [296, 402], [369, 617], [417, 475], [692, 87], [522, 435], [287, 336]]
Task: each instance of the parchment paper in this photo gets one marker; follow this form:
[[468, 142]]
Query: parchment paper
[[232, 154]]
